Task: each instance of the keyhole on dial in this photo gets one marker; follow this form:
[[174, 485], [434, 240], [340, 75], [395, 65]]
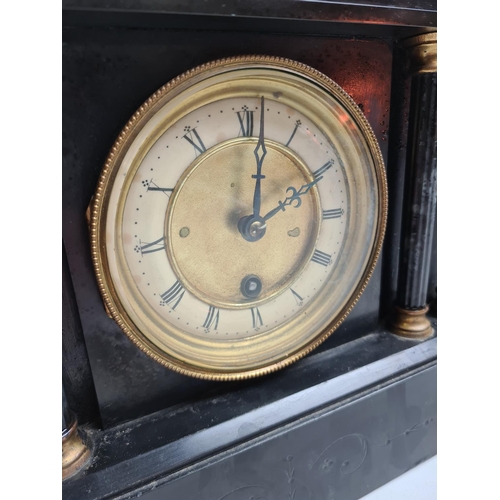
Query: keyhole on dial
[[251, 286]]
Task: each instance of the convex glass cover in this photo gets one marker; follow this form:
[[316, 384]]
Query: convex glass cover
[[238, 217]]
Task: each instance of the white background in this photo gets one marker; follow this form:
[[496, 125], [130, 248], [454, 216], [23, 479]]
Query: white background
[[418, 483]]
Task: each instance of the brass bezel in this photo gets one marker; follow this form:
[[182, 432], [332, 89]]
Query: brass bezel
[[131, 130]]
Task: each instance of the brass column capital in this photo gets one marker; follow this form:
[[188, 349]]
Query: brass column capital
[[422, 52]]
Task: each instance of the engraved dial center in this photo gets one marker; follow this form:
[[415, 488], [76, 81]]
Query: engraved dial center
[[213, 197]]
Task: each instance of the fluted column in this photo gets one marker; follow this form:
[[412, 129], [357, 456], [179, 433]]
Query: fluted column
[[419, 209]]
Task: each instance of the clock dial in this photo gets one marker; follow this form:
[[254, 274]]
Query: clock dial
[[185, 250], [237, 224]]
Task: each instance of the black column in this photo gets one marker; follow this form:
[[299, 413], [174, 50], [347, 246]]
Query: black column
[[78, 394], [66, 414], [419, 206]]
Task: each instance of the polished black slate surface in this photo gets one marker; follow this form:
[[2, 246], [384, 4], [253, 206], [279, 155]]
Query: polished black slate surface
[[396, 169], [341, 453], [391, 12], [153, 447], [107, 74], [80, 396]]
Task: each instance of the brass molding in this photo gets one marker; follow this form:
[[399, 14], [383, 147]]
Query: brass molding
[[422, 51], [411, 324], [75, 453]]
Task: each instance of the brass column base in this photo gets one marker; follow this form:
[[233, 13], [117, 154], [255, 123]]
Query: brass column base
[[75, 453], [411, 324]]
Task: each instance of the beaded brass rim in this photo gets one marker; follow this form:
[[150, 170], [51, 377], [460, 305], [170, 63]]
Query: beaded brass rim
[[100, 201]]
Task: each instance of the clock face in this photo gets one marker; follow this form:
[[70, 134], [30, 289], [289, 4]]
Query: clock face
[[238, 217]]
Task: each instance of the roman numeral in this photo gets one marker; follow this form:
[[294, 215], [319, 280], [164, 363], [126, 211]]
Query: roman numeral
[[297, 125], [321, 258], [245, 118], [152, 186], [173, 294], [333, 214], [323, 169], [194, 139], [256, 317], [212, 319], [154, 246], [297, 297]]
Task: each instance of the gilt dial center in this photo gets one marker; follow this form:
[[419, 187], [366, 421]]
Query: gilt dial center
[[214, 200]]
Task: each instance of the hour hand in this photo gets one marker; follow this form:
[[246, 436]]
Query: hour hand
[[293, 197]]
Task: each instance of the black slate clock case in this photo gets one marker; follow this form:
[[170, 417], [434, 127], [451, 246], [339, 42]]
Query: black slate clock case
[[358, 411]]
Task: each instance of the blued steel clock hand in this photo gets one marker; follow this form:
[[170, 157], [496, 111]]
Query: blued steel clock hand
[[253, 227], [295, 196], [259, 152]]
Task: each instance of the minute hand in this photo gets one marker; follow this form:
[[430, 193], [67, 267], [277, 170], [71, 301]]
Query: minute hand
[[259, 152], [295, 196]]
